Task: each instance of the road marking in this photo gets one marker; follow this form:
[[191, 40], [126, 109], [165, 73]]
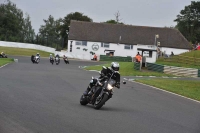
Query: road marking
[[3, 65], [164, 77], [93, 70], [167, 91]]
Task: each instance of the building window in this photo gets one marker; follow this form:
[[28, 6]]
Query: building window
[[128, 46], [105, 45], [83, 43]]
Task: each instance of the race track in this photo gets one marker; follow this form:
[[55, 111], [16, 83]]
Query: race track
[[44, 98]]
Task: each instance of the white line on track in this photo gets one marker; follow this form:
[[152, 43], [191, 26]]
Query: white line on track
[[3, 65], [167, 91]]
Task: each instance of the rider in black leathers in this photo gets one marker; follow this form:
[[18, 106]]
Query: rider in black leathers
[[107, 72]]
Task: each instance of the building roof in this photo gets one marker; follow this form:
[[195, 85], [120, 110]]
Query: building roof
[[126, 34]]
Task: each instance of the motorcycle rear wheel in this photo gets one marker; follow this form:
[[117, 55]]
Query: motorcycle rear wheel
[[100, 101]]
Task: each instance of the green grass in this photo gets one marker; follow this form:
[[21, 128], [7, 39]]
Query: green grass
[[161, 61], [187, 88], [4, 61], [23, 51], [194, 54], [127, 69]]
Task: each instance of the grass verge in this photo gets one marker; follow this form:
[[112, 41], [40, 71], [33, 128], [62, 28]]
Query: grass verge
[[187, 88], [127, 69], [4, 61], [182, 63], [23, 51], [162, 62]]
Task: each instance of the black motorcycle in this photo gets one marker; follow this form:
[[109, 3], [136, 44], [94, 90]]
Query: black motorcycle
[[100, 93], [66, 60], [51, 61], [3, 56], [35, 59]]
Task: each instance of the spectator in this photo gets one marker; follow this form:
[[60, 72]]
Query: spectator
[[95, 57], [197, 47], [138, 57], [172, 53]]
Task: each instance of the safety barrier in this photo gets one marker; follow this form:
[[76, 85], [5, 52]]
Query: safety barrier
[[199, 73], [178, 71], [136, 66], [155, 67]]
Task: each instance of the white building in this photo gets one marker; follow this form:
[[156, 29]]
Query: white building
[[86, 38]]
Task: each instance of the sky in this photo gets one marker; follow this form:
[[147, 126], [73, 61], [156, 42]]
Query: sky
[[154, 13]]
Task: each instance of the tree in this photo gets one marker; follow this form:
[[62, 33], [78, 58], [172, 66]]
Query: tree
[[28, 31], [11, 21], [13, 26], [49, 33], [66, 23], [111, 21], [188, 21], [117, 15], [117, 19]]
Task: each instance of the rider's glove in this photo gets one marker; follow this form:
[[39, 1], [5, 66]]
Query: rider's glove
[[118, 86]]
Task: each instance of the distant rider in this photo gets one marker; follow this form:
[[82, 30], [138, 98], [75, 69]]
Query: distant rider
[[107, 72], [57, 56], [38, 55], [2, 54], [51, 57], [65, 59]]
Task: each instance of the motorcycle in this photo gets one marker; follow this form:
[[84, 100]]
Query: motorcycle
[[57, 60], [99, 93], [3, 56], [51, 61], [66, 60], [35, 59]]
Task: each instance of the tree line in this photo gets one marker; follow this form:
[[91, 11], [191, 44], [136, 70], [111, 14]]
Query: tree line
[[15, 25]]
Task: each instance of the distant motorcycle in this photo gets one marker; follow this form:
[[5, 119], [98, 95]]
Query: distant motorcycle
[[57, 60], [51, 61], [35, 59], [66, 60], [3, 56]]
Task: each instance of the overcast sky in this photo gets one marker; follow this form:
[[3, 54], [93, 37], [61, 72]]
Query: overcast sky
[[156, 13]]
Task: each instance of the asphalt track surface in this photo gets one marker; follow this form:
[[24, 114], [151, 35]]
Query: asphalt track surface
[[44, 98]]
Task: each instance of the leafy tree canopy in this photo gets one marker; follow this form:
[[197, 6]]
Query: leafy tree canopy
[[66, 23], [188, 21], [113, 22], [13, 26]]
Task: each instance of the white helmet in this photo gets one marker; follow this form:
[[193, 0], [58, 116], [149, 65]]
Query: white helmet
[[115, 66]]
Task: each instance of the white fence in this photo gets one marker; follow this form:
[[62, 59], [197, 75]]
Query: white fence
[[27, 45]]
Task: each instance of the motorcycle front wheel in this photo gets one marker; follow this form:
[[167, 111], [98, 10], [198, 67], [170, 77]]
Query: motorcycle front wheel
[[100, 101]]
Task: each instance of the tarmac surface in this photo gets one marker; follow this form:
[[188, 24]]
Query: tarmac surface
[[44, 98]]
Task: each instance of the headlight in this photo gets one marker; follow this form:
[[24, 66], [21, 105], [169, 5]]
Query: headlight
[[109, 87]]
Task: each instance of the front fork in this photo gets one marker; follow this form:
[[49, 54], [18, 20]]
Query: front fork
[[108, 92]]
